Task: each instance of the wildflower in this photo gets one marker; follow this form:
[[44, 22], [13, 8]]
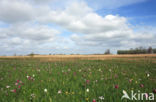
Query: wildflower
[[33, 95], [27, 76], [19, 86], [74, 73], [18, 81], [146, 95], [33, 75], [130, 80], [14, 90], [59, 92], [38, 70], [16, 84], [87, 90], [73, 93], [116, 86], [87, 99], [154, 91], [45, 90], [148, 75], [69, 69], [96, 81], [67, 93], [110, 70], [94, 100], [87, 81], [7, 86], [101, 97], [141, 85]]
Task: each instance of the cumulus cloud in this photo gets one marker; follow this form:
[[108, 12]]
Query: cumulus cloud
[[91, 29], [28, 28], [15, 11]]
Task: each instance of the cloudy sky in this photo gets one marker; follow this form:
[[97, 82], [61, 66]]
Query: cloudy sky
[[75, 26]]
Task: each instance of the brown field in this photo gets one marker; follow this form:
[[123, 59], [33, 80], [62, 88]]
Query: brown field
[[87, 57]]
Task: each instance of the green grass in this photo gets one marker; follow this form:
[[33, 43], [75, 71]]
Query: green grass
[[70, 78]]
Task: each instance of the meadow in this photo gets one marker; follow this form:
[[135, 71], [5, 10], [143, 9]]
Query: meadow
[[33, 79]]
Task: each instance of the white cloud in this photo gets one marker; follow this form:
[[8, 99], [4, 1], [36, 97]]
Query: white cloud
[[28, 27], [15, 11]]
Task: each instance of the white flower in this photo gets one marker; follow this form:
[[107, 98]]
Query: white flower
[[59, 92], [87, 90], [32, 95], [7, 86], [27, 76], [33, 75], [45, 90], [69, 69], [148, 75], [101, 97]]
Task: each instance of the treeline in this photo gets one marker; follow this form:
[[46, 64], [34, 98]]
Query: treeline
[[139, 50]]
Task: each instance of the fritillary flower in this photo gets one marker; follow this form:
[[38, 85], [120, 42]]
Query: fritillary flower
[[87, 90], [59, 92], [33, 75], [148, 75], [141, 85], [14, 90], [16, 84], [94, 100], [116, 86], [7, 86], [19, 86], [18, 81], [45, 90], [87, 81], [154, 91], [101, 97], [146, 95]]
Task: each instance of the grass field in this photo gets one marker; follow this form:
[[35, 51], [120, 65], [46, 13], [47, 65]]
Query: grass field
[[33, 79]]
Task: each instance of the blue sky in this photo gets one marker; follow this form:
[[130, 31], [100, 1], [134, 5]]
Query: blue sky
[[75, 26], [143, 13]]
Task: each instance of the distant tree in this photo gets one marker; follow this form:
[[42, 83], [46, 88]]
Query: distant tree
[[149, 50], [107, 52], [154, 50], [15, 54], [31, 54]]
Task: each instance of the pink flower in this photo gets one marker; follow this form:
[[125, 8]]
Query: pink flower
[[29, 78], [14, 90], [154, 91], [19, 86], [116, 86], [141, 85], [146, 95], [74, 73], [16, 84], [130, 80], [87, 81], [94, 100], [18, 81]]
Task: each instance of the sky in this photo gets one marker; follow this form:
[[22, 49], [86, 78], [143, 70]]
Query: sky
[[75, 26]]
